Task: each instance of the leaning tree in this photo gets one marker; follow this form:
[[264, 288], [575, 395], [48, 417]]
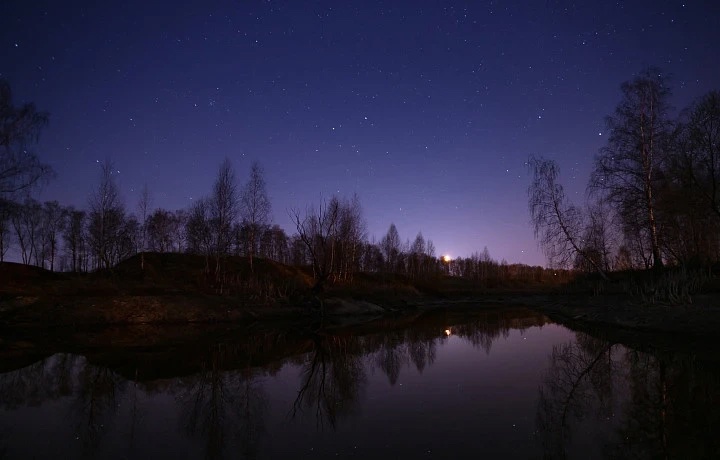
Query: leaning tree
[[557, 223]]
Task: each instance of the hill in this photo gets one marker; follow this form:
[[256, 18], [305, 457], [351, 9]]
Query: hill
[[180, 288], [167, 288]]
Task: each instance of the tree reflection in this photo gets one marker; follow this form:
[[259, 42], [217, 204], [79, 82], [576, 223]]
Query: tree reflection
[[334, 373], [422, 352], [392, 356], [578, 384], [672, 410], [95, 403], [332, 378], [47, 379], [217, 404], [95, 392], [221, 399], [485, 328], [662, 405]]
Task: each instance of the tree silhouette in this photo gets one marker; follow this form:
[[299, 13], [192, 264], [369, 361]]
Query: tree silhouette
[[627, 168], [255, 209], [224, 207], [143, 209], [577, 381], [106, 219], [390, 245], [6, 211], [198, 234], [75, 238], [26, 222], [317, 230], [332, 380], [20, 128], [700, 148], [53, 222], [558, 224]]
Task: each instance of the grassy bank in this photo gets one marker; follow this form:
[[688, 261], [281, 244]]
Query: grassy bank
[[181, 289]]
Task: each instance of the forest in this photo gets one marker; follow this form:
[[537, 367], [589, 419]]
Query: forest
[[653, 201]]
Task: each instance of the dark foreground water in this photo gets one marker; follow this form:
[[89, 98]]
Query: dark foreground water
[[504, 384]]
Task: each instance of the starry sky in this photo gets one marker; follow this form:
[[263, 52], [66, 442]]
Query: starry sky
[[428, 110]]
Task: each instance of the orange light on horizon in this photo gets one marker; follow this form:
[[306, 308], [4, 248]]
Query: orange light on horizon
[[448, 332], [446, 258]]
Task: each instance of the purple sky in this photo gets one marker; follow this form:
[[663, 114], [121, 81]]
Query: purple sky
[[427, 109]]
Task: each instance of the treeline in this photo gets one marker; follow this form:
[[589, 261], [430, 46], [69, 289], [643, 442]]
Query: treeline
[[654, 190], [232, 220]]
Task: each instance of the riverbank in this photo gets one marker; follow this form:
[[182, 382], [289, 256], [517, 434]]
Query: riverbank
[[182, 288], [677, 327], [176, 289], [693, 322], [291, 335]]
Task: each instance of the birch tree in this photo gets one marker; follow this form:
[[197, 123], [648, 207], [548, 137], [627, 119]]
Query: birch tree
[[255, 209], [557, 223], [626, 170]]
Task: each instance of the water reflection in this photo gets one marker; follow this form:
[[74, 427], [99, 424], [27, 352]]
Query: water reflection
[[673, 410], [44, 380], [643, 404], [95, 403], [332, 379], [255, 392], [578, 385], [216, 404]]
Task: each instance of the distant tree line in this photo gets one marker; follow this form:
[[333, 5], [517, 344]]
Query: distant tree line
[[234, 219], [654, 193]]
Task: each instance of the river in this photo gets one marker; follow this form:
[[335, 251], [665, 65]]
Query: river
[[505, 383]]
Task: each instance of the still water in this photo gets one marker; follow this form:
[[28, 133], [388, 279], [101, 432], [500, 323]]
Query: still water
[[498, 384]]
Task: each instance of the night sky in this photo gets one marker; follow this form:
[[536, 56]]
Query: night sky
[[427, 109]]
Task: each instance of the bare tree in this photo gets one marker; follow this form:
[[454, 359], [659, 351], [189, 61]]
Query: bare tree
[[20, 128], [700, 148], [107, 214], [372, 257], [430, 250], [160, 231], [598, 237], [223, 208], [350, 235], [559, 225], [255, 209], [417, 256], [75, 237], [6, 211], [180, 219], [390, 245], [274, 244], [26, 222], [627, 168], [128, 239], [53, 223], [198, 234], [317, 231], [143, 209], [691, 190]]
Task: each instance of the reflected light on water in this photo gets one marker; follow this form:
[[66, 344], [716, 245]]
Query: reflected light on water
[[402, 389]]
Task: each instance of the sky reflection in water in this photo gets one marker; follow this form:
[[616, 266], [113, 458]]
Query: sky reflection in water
[[502, 384]]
